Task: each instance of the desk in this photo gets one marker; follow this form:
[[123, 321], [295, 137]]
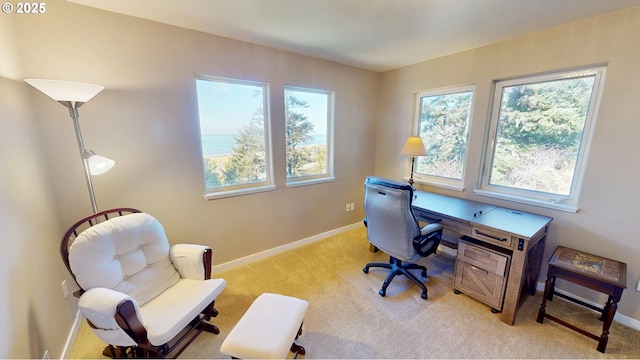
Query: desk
[[519, 235], [592, 271]]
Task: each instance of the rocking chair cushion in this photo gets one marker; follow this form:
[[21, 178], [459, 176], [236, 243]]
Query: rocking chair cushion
[[99, 306], [185, 299], [129, 254], [188, 260]]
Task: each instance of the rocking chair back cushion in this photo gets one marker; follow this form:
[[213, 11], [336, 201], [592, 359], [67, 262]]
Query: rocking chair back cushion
[[128, 254]]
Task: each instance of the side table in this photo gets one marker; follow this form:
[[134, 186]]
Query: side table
[[592, 271]]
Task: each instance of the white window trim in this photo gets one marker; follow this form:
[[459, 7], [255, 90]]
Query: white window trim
[[238, 192], [438, 181], [328, 176], [449, 184], [547, 200], [321, 180], [244, 189]]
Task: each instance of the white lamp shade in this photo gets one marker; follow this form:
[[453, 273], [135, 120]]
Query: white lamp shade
[[99, 164], [414, 147], [66, 90]]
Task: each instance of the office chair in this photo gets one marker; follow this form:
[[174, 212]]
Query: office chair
[[393, 228]]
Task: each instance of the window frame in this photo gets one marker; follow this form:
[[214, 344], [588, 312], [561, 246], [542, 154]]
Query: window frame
[[441, 181], [328, 176], [568, 203], [268, 184]]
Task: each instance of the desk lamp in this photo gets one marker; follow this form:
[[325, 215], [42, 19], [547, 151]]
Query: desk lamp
[[413, 147], [73, 95]]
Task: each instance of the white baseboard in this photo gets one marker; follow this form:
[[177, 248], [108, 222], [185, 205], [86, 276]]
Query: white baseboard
[[621, 318], [71, 339], [277, 250]]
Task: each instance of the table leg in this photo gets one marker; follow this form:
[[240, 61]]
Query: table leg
[[553, 289], [608, 313], [606, 307], [548, 285]]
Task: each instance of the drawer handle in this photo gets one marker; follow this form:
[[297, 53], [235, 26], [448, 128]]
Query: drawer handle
[[477, 251], [478, 269], [490, 236]]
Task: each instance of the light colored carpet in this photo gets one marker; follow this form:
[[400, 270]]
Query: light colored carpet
[[403, 298], [347, 319]]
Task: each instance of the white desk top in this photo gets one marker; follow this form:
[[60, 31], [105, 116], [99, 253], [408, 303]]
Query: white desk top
[[518, 223]]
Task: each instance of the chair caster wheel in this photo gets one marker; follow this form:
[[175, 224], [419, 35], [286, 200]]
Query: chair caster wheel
[[424, 295], [382, 293], [424, 274], [456, 291], [366, 270], [495, 311]]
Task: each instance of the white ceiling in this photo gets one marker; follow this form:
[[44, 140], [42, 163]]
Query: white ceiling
[[377, 35]]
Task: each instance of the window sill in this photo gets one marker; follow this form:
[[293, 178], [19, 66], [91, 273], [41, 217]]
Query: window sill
[[310, 182], [238, 192], [529, 201], [447, 186]]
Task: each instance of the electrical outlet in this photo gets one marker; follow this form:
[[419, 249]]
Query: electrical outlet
[[353, 206], [347, 207], [65, 289]]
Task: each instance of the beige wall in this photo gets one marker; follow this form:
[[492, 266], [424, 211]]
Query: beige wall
[[610, 194], [146, 119], [30, 319]]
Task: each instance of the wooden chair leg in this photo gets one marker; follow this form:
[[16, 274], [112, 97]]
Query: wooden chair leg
[[297, 349]]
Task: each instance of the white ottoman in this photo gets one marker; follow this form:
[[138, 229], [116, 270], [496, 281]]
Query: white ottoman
[[268, 328]]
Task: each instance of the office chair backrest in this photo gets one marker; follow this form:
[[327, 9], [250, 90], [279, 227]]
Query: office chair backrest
[[391, 225]]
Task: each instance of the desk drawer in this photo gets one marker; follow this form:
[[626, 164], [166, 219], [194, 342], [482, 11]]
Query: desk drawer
[[485, 259], [480, 284], [452, 224], [492, 236], [481, 273]]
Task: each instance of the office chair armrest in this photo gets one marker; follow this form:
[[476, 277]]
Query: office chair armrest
[[429, 239], [191, 261], [426, 230]]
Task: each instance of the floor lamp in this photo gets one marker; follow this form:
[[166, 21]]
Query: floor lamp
[[73, 95], [413, 147]]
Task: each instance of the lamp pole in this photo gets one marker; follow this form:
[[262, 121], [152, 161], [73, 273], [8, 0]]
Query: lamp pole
[[73, 112], [413, 160]]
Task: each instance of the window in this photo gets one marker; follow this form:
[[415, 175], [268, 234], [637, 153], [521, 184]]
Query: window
[[234, 128], [308, 135], [541, 129], [443, 124]]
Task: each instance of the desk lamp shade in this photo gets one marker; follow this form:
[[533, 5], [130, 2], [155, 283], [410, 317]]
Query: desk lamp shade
[[413, 147]]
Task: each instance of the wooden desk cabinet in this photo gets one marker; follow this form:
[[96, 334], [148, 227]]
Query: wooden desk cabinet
[[481, 273], [517, 236]]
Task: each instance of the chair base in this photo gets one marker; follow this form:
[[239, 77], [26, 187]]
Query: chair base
[[397, 267], [173, 347]]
